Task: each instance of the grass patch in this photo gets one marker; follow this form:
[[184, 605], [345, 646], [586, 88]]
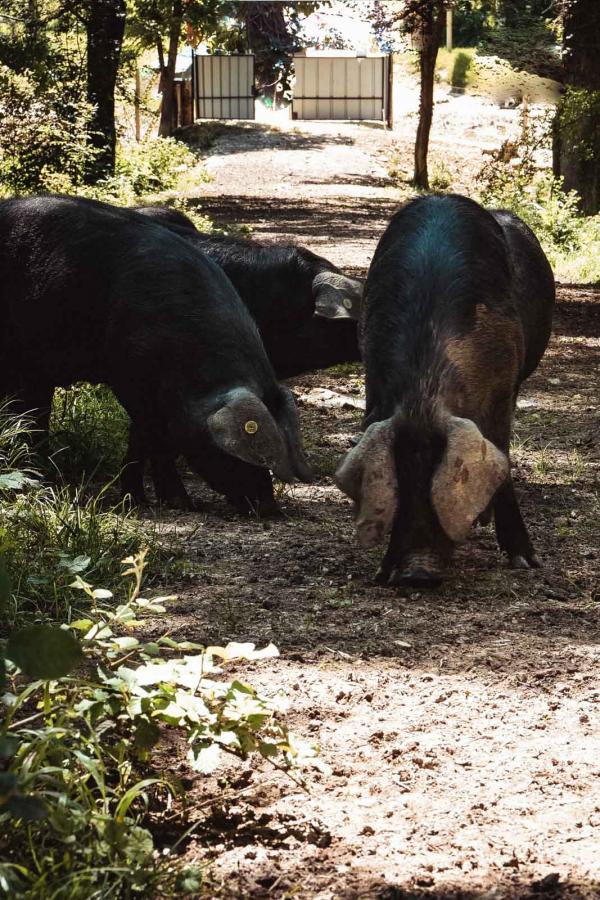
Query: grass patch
[[51, 533]]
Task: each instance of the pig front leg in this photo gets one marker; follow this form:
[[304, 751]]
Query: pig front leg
[[168, 485]]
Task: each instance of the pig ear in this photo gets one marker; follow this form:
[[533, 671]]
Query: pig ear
[[243, 427], [368, 476], [467, 478], [337, 296]]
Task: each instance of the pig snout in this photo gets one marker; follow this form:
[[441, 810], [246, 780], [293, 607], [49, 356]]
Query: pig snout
[[420, 570]]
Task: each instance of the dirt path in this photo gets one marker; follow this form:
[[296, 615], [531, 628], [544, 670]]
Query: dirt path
[[461, 726]]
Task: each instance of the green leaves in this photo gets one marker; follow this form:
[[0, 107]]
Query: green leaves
[[18, 805], [73, 747], [15, 481], [44, 651], [5, 587]]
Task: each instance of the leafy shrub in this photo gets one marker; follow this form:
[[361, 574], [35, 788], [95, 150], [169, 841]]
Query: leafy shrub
[[88, 432], [576, 106], [155, 164], [514, 179], [49, 534], [539, 201], [43, 136], [142, 169], [80, 789]]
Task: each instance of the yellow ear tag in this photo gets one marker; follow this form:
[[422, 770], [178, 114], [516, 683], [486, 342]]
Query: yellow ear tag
[[251, 427], [347, 303]]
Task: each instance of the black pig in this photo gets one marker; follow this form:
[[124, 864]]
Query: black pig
[[90, 292], [305, 308], [457, 313]]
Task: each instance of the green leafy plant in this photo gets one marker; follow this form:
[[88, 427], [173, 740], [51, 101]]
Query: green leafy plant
[[153, 165], [44, 135], [88, 432], [87, 706], [514, 179], [49, 534]]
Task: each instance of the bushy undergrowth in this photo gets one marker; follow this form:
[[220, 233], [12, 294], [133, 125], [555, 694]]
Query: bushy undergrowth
[[88, 433], [42, 135], [514, 180], [152, 166], [50, 533], [83, 794], [45, 146]]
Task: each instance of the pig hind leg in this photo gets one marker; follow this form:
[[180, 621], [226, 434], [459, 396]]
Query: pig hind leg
[[511, 531]]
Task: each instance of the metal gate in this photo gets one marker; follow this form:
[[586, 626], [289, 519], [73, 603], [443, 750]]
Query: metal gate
[[342, 87], [224, 86]]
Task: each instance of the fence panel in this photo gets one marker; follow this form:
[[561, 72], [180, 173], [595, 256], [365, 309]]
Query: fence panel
[[224, 86], [341, 87]]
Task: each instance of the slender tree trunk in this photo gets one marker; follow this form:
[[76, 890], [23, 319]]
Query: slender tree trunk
[[431, 35], [161, 60], [168, 78], [105, 25], [577, 122]]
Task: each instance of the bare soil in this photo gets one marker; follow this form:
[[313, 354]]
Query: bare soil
[[461, 725]]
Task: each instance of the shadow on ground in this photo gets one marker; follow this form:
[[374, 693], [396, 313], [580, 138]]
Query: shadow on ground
[[306, 219]]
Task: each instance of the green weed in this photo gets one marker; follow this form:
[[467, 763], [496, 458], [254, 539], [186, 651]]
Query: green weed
[[83, 797]]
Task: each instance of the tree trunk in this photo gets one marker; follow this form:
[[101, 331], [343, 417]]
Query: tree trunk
[[165, 127], [105, 25], [431, 35], [577, 122], [272, 45]]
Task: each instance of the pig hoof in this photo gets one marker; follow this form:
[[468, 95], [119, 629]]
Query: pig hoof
[[382, 575], [416, 577], [178, 502], [521, 562]]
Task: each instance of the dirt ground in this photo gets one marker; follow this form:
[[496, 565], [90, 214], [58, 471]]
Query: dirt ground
[[461, 726]]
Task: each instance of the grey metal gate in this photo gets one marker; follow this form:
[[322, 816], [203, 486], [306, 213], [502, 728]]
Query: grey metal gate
[[342, 87], [224, 86]]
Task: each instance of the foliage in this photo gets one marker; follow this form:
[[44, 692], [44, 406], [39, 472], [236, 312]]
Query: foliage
[[42, 135], [155, 164], [15, 456], [88, 432], [513, 179], [578, 106], [150, 166], [82, 779], [48, 533]]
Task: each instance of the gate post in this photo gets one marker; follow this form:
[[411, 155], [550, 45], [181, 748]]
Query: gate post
[[389, 107]]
